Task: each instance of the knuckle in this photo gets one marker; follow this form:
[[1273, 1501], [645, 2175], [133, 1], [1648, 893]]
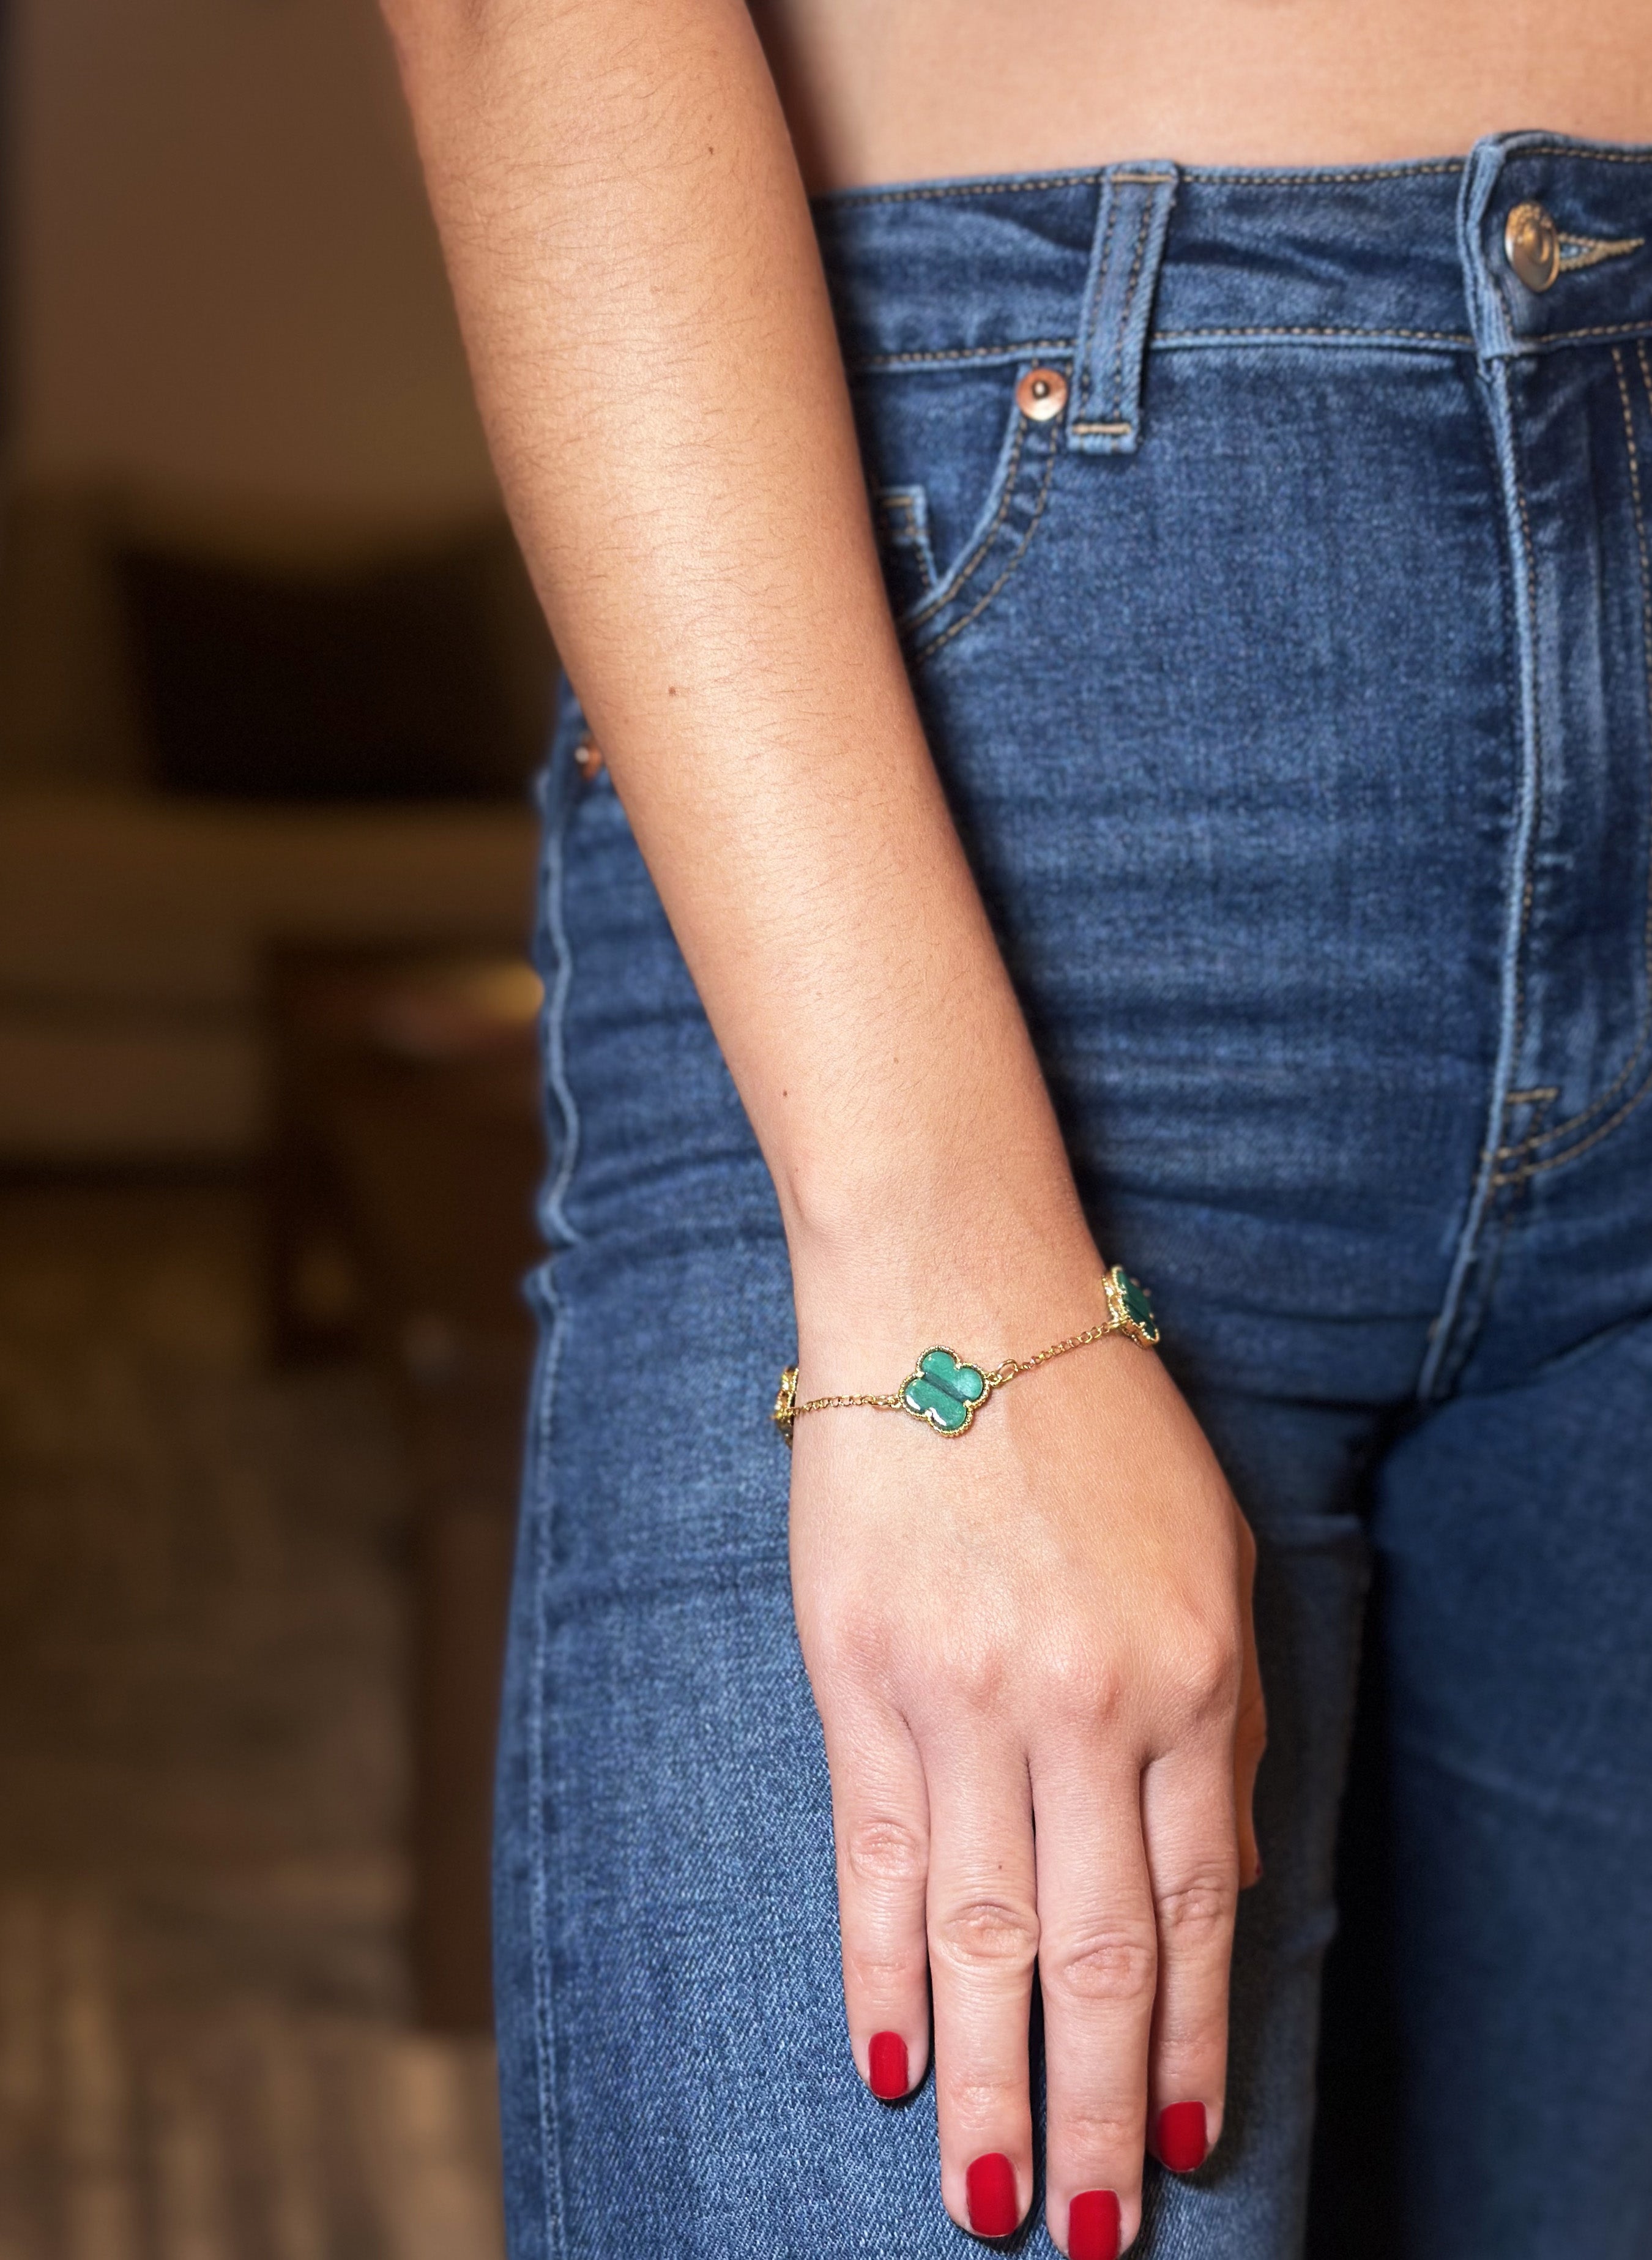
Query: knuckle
[[977, 2102], [1204, 1670], [986, 1934], [1101, 2134], [886, 1853], [1084, 1686], [881, 1975], [975, 1677], [855, 1644], [1199, 1910], [1119, 1966]]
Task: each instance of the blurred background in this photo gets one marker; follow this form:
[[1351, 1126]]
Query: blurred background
[[272, 684]]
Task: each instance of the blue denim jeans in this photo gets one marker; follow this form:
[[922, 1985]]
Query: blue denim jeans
[[1291, 688]]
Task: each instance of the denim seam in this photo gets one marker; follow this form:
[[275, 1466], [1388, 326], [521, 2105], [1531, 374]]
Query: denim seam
[[920, 657], [1452, 1334], [1017, 351], [554, 2194], [1021, 185], [553, 1212], [1116, 427], [1592, 156], [1626, 1073], [1553, 1160], [556, 1218], [1087, 349], [960, 579], [1242, 176], [1456, 338], [1565, 337], [1225, 177]]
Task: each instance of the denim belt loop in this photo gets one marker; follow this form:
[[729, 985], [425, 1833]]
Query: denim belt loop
[[1132, 214]]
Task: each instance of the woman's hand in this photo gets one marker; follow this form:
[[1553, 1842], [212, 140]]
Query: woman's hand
[[1031, 1653]]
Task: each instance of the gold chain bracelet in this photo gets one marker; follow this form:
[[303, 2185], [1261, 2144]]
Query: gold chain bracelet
[[945, 1391]]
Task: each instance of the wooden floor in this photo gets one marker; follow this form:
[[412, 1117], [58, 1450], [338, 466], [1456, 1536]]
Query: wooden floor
[[204, 2051]]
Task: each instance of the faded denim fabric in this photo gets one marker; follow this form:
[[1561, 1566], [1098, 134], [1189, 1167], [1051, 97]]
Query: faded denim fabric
[[1291, 690]]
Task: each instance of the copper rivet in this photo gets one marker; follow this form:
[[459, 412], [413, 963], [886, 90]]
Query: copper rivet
[[589, 755], [1531, 242], [1042, 394]]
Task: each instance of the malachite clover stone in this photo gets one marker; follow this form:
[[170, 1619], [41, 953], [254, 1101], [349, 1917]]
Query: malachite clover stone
[[944, 1391], [1135, 1302]]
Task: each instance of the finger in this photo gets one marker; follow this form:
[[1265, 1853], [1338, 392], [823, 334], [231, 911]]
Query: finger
[[1187, 1804], [881, 1827], [983, 1945], [1097, 1971], [1250, 1733]]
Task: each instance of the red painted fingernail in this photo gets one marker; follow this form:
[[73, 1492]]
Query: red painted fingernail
[[1092, 2226], [886, 2066], [989, 2186], [1180, 2138]]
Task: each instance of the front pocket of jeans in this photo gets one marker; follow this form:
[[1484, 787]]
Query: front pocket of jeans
[[946, 452]]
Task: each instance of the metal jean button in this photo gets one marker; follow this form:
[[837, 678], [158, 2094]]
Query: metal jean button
[[1042, 394], [1531, 243]]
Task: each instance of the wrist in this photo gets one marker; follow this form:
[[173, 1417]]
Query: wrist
[[991, 1269]]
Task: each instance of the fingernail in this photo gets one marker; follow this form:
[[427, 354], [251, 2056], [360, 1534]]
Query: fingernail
[[1180, 2138], [886, 2066], [990, 2187], [1092, 2226]]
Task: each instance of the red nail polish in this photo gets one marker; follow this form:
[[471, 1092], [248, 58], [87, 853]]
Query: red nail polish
[[1180, 2138], [990, 2187], [886, 2066], [1092, 2226]]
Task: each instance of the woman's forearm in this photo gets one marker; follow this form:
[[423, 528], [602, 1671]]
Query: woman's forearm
[[644, 307]]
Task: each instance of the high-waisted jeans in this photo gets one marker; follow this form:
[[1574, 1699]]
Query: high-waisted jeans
[[1290, 689]]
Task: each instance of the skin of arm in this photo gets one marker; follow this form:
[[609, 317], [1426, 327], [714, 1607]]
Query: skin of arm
[[637, 279]]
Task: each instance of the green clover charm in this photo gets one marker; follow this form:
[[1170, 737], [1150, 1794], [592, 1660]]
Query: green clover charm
[[944, 1391], [1131, 1307]]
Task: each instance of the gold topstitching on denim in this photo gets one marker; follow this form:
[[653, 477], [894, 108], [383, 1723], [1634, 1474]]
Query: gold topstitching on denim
[[1594, 156], [1626, 1073], [942, 190], [1308, 330], [1553, 1161], [980, 605], [1579, 251], [1087, 346], [1032, 183], [1517, 1033], [1539, 339], [1114, 430], [958, 579], [1241, 178], [1023, 349]]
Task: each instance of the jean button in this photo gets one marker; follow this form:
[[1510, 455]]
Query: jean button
[[1531, 243], [1042, 394], [589, 757]]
